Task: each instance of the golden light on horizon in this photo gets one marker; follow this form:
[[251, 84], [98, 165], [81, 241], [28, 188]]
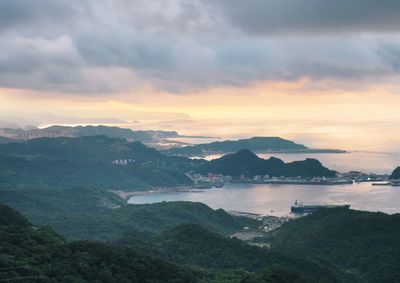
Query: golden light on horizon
[[290, 109]]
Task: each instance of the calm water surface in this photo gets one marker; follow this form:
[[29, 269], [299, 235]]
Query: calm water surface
[[277, 199]]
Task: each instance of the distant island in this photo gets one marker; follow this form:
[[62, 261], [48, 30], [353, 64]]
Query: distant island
[[255, 144], [246, 163]]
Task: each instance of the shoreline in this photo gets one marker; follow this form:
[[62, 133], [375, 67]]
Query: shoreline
[[125, 195]]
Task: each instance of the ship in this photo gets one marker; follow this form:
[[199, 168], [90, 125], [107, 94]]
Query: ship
[[299, 207], [381, 184]]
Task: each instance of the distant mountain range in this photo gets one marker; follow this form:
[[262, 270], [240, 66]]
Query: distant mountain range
[[81, 131], [115, 163], [246, 163], [163, 139], [256, 144]]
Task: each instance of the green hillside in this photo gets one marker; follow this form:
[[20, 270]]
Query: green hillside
[[98, 161], [331, 245], [245, 162], [86, 213], [89, 149], [197, 247], [364, 244], [32, 254]]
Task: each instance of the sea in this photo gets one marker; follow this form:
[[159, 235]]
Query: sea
[[272, 199]]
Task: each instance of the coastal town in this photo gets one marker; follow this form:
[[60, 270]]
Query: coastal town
[[211, 180]]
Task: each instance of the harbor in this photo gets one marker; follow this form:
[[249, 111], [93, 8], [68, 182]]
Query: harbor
[[272, 199]]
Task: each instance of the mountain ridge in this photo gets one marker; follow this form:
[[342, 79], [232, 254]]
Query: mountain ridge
[[255, 144], [81, 131], [245, 162]]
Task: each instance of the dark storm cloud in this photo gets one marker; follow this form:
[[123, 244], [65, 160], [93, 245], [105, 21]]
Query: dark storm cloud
[[93, 47], [125, 49], [40, 13], [312, 16]]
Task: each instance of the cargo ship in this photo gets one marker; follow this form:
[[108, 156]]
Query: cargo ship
[[299, 207]]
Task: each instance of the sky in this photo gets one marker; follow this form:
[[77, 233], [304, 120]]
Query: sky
[[324, 73]]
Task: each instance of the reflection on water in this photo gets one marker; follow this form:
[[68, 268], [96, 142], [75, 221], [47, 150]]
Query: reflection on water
[[277, 199]]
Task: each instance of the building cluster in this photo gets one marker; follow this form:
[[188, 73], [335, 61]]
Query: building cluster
[[123, 161], [358, 176], [271, 223], [266, 179], [209, 178]]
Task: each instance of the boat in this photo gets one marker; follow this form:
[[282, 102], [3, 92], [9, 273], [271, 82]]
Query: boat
[[299, 207], [381, 184]]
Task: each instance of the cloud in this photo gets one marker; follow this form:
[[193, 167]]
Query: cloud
[[94, 47], [312, 16], [30, 15]]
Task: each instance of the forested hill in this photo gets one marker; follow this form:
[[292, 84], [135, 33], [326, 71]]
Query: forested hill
[[331, 245], [364, 244], [257, 144], [35, 254], [245, 162], [92, 148], [32, 254], [92, 214], [99, 161]]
